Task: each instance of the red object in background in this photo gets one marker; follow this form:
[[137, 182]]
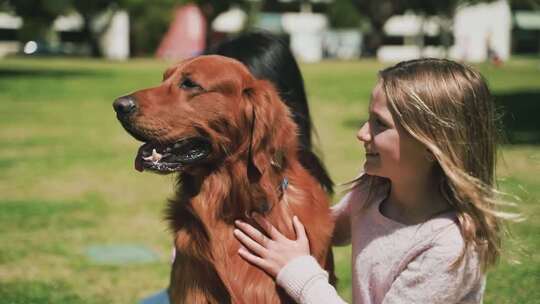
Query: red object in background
[[186, 35]]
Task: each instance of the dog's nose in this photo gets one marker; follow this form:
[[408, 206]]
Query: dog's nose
[[125, 105]]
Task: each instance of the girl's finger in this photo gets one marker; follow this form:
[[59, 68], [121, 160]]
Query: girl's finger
[[253, 259], [249, 243], [252, 232], [299, 229], [268, 227]]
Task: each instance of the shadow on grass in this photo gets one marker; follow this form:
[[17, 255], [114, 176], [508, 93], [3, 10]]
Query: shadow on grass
[[519, 112], [49, 73]]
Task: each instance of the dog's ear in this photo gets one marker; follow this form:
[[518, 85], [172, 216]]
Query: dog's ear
[[271, 131], [273, 127], [253, 172]]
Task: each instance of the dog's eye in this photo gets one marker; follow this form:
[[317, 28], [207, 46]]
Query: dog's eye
[[189, 84]]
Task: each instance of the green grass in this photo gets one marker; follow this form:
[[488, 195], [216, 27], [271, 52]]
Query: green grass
[[67, 180]]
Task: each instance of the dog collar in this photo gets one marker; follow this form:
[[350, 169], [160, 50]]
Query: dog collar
[[284, 184]]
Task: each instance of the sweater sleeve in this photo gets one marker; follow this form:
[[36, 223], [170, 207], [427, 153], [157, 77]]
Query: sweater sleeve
[[430, 277], [307, 283]]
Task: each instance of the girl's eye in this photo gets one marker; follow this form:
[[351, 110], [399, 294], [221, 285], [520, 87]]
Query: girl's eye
[[380, 122], [189, 84]]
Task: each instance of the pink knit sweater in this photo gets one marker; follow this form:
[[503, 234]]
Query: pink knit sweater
[[391, 262]]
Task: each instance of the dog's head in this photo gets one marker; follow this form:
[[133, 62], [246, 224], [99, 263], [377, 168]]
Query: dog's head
[[208, 109]]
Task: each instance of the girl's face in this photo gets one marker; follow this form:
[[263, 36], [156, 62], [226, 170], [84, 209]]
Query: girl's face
[[391, 152]]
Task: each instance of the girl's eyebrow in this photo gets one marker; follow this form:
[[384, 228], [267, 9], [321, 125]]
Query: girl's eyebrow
[[374, 113]]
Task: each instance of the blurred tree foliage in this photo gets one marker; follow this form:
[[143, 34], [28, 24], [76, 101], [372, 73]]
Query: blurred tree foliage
[[38, 16], [213, 8], [149, 20], [343, 14], [525, 4], [379, 11], [90, 11]]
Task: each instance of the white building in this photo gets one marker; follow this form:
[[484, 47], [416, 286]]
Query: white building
[[476, 28]]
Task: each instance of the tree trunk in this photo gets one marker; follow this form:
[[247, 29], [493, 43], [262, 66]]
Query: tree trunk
[[36, 29], [420, 36], [253, 13], [209, 33], [446, 35], [375, 38], [90, 37]]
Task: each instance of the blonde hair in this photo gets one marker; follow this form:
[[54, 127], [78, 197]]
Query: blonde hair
[[448, 108]]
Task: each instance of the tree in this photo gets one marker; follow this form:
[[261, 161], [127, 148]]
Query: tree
[[445, 9], [149, 21], [212, 8], [38, 17], [525, 4], [89, 11], [379, 11], [342, 14]]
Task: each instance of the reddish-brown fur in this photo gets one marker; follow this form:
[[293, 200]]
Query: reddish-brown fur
[[212, 194]]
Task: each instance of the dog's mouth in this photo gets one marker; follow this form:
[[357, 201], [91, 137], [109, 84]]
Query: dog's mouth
[[167, 158]]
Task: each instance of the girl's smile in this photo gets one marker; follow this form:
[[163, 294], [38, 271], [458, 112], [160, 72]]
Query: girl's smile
[[390, 151], [370, 156]]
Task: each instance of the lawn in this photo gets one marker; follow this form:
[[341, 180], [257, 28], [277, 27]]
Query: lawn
[[68, 190]]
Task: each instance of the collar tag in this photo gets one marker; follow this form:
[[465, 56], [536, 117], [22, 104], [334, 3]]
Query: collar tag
[[284, 184]]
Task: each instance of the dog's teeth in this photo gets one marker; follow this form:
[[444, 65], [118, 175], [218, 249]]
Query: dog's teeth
[[155, 157]]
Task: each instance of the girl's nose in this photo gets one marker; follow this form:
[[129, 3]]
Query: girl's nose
[[364, 133]]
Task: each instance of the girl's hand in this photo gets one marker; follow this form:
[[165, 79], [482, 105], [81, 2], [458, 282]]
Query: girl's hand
[[270, 254]]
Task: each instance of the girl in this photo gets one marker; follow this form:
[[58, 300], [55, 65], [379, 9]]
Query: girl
[[421, 217]]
